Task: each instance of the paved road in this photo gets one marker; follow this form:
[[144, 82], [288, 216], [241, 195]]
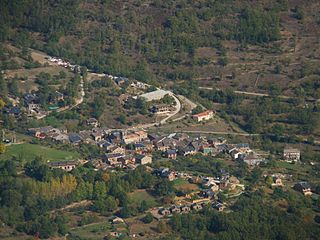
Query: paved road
[[176, 111], [163, 121]]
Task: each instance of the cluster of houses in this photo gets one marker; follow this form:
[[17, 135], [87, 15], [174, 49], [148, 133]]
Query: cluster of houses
[[127, 148], [210, 187], [64, 63], [242, 152], [181, 144], [33, 107], [175, 209]]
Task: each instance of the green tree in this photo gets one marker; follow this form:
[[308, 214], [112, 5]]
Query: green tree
[[143, 206], [148, 218], [99, 190], [3, 87]]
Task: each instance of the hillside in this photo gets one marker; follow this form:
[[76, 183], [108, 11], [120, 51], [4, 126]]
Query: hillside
[[160, 119], [222, 44]]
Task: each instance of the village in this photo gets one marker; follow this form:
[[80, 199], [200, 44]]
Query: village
[[130, 147], [125, 149]]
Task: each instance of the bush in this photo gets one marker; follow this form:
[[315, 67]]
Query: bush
[[148, 218]]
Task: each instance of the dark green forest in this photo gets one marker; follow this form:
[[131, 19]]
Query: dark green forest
[[168, 34]]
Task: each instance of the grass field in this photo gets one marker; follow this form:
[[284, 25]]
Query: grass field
[[293, 167], [92, 231], [28, 152], [138, 196], [184, 185]]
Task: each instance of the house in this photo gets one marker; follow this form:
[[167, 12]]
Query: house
[[139, 148], [116, 149], [161, 171], [196, 206], [219, 206], [33, 107], [30, 98], [115, 137], [144, 159], [66, 166], [75, 138], [97, 136], [180, 137], [43, 132], [164, 144], [171, 154], [203, 116], [60, 138], [185, 209], [175, 209], [303, 187], [253, 160], [152, 137], [243, 147], [171, 175], [105, 144], [207, 149], [121, 80], [86, 136], [165, 211], [214, 187], [291, 155], [113, 158], [224, 183], [165, 173], [59, 96], [207, 193], [134, 137], [161, 109], [236, 154], [148, 145], [188, 150], [277, 182], [116, 220], [92, 122], [127, 159]]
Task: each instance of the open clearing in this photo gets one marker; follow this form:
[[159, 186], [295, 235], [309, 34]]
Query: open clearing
[[184, 185], [92, 231], [138, 196], [28, 152]]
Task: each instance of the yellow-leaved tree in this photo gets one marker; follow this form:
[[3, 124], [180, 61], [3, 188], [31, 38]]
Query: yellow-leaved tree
[[2, 148]]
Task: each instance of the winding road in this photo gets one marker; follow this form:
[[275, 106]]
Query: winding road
[[44, 59]]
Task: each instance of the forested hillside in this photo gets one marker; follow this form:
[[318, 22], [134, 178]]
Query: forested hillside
[[147, 40]]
